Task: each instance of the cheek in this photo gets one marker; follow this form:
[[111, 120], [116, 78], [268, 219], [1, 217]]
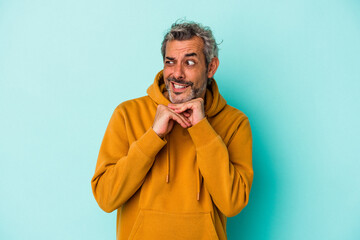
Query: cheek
[[201, 79], [166, 73]]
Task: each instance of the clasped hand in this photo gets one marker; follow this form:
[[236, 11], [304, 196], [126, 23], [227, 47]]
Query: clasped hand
[[186, 114]]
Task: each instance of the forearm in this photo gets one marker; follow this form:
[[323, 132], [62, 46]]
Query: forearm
[[227, 171], [116, 179]]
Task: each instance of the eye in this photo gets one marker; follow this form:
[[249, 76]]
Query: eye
[[169, 62], [190, 62]]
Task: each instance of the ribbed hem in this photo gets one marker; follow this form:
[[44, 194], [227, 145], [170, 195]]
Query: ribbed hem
[[150, 143], [202, 133]]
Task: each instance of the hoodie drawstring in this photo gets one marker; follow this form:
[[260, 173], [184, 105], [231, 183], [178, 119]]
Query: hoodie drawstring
[[167, 179], [167, 159], [198, 185]]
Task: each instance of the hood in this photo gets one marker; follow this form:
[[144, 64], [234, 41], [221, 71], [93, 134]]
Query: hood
[[214, 101]]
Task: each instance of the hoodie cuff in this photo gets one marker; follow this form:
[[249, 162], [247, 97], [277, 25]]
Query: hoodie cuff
[[202, 133], [150, 143]]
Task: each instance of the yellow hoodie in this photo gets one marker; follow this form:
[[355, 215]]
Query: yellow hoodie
[[180, 187]]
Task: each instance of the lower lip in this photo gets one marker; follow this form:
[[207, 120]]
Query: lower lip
[[178, 90]]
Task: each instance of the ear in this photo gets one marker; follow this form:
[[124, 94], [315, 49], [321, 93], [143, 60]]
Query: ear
[[212, 67]]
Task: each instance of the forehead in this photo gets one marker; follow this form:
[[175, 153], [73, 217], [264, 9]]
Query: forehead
[[181, 47]]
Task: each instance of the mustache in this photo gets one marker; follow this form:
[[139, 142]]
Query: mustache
[[180, 81]]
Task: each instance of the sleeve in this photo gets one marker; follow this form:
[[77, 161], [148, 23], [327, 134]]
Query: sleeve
[[227, 170], [121, 168]]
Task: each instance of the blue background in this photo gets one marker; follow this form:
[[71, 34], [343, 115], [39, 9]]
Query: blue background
[[292, 66]]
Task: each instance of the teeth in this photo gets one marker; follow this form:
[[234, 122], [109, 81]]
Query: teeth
[[179, 86]]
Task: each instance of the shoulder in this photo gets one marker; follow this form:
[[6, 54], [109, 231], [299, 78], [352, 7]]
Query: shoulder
[[228, 122], [233, 114], [238, 125], [136, 104]]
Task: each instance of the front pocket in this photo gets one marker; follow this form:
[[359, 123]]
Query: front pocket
[[151, 224]]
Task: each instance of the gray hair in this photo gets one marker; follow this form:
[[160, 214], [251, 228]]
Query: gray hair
[[185, 30]]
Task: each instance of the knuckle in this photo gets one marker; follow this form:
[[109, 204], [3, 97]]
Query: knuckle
[[162, 108]]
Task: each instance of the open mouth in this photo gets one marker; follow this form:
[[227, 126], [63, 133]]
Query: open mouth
[[179, 88]]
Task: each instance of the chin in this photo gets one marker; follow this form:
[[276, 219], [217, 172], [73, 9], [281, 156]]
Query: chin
[[179, 99]]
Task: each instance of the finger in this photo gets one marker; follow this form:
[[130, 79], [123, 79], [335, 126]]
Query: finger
[[186, 114], [179, 121], [185, 123], [177, 105], [196, 100], [183, 117], [179, 108], [173, 106]]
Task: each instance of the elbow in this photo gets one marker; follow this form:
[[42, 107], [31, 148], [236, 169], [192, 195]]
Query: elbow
[[234, 205], [238, 200], [233, 209], [105, 203], [106, 207]]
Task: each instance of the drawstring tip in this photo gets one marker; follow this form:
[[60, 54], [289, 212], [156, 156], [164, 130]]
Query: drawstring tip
[[167, 178], [198, 196]]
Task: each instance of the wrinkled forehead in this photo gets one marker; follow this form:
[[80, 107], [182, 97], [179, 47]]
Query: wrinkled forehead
[[176, 48], [185, 48]]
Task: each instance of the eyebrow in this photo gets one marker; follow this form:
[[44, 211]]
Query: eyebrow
[[190, 54], [186, 55]]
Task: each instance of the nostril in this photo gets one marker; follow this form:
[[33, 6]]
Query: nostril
[[179, 75]]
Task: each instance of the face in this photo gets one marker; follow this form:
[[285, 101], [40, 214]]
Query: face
[[185, 72]]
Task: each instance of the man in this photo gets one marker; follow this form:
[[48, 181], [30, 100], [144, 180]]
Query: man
[[178, 161]]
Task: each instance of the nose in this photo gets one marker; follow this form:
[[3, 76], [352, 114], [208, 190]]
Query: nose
[[179, 71]]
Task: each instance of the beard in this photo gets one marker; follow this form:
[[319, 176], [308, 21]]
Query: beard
[[194, 92]]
